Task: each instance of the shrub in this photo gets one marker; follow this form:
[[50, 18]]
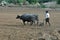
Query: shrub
[[58, 1], [43, 6], [32, 1]]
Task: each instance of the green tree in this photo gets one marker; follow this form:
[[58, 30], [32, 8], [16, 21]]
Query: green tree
[[40, 1], [20, 1], [43, 1], [58, 1], [1, 0], [32, 1]]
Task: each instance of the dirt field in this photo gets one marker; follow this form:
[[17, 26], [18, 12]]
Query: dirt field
[[13, 29]]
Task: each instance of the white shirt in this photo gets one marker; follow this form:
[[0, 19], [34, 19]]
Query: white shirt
[[47, 15]]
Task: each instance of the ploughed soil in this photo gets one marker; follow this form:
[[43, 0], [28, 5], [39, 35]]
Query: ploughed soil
[[13, 29]]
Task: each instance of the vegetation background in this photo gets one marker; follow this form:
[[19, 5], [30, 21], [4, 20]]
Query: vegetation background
[[39, 3]]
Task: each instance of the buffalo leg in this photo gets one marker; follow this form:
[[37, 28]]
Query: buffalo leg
[[31, 23], [37, 20], [24, 22]]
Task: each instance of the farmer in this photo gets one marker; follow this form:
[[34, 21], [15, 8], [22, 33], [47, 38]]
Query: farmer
[[47, 18]]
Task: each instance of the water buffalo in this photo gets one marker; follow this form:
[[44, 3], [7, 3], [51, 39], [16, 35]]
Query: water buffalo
[[28, 17]]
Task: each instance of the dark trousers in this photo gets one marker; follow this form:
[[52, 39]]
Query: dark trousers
[[47, 21]]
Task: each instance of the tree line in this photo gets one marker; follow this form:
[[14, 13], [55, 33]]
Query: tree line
[[30, 1]]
